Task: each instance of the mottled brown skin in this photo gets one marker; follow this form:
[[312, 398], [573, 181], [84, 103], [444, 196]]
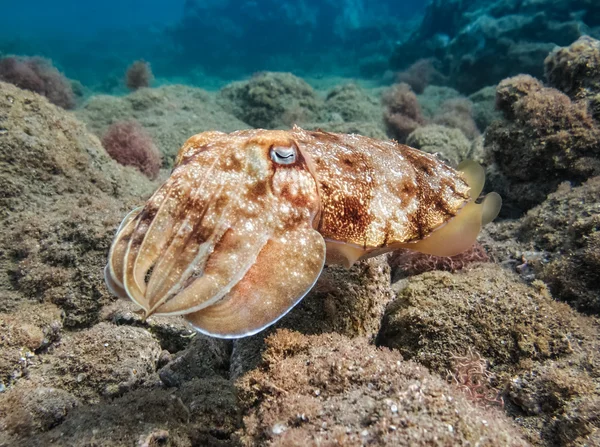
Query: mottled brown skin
[[361, 179], [240, 231]]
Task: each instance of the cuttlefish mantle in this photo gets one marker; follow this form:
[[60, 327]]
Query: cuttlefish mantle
[[242, 228]]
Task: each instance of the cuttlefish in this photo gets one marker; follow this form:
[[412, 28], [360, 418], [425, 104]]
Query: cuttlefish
[[242, 228]]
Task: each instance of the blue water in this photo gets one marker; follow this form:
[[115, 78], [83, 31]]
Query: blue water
[[192, 40]]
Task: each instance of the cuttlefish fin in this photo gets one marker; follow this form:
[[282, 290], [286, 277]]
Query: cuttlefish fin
[[286, 268], [461, 231], [474, 174]]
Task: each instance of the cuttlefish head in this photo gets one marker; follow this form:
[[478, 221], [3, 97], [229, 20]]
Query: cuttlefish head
[[228, 241]]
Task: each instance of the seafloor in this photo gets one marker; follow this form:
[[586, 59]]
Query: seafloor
[[498, 346]]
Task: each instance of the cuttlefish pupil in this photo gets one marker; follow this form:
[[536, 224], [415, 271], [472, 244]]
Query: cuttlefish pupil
[[241, 230], [283, 155]]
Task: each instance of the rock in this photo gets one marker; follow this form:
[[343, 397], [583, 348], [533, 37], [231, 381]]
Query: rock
[[105, 360], [575, 69], [433, 97], [457, 113], [545, 139], [26, 410], [172, 332], [353, 104], [204, 357], [451, 145], [486, 309], [64, 197], [481, 42], [557, 400], [317, 390], [565, 226], [484, 107], [23, 332], [170, 114], [402, 114], [347, 301], [271, 100], [496, 336], [201, 412]]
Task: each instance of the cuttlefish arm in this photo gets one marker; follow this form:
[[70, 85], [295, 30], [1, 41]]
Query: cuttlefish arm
[[228, 241]]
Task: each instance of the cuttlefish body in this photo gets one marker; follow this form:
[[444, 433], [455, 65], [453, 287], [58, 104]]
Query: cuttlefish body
[[240, 231]]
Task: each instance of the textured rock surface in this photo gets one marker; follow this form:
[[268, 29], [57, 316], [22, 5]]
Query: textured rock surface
[[483, 308], [331, 390], [347, 301], [271, 100], [545, 138], [451, 145], [566, 227], [534, 353], [170, 114]]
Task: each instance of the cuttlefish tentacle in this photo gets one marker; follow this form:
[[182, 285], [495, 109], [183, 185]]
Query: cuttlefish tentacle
[[240, 231]]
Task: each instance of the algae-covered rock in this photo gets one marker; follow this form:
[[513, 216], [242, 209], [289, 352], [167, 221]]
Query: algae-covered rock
[[170, 114], [352, 104], [63, 197], [402, 114], [200, 412], [331, 390], [545, 139], [23, 332], [433, 97], [484, 107], [457, 113], [451, 145], [575, 69], [271, 100], [31, 409], [105, 360], [486, 309], [204, 357], [567, 227], [346, 301], [499, 338], [480, 42]]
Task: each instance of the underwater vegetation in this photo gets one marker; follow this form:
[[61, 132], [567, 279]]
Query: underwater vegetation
[[40, 76], [138, 75], [129, 144], [495, 345]]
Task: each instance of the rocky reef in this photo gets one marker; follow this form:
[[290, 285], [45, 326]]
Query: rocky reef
[[477, 43], [497, 346], [547, 136]]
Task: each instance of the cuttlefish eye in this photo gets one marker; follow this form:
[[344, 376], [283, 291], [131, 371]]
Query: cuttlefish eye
[[283, 155]]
